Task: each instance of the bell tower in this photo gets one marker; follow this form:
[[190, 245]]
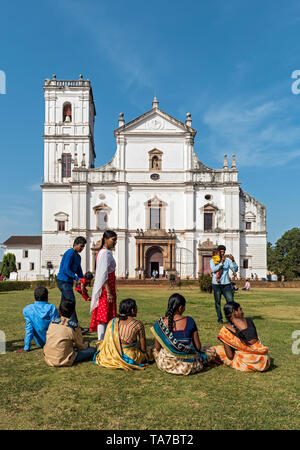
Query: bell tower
[[68, 128]]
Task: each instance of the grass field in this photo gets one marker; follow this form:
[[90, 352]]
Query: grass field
[[85, 396]]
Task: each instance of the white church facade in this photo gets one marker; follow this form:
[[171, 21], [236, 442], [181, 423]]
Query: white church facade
[[168, 209]]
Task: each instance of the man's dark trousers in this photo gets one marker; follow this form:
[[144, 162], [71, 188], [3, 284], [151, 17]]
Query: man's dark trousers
[[66, 290], [226, 291]]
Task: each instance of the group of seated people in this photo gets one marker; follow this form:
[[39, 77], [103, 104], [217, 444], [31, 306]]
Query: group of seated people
[[177, 348]]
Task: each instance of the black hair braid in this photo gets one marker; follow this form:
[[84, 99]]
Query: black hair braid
[[170, 315], [175, 301]]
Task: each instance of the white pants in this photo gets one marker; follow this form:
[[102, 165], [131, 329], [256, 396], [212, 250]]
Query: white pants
[[101, 330]]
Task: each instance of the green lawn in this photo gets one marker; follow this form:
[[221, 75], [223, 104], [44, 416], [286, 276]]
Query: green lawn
[[85, 396]]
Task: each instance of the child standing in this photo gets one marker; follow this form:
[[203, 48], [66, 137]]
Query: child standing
[[38, 317]]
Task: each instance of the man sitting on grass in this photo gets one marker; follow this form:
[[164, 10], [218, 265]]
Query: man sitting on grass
[[64, 342], [38, 317]]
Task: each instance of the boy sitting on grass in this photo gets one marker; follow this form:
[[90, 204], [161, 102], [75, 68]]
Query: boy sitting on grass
[[64, 342], [38, 316]]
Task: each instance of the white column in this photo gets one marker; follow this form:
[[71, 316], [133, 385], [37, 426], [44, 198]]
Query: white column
[[189, 196], [122, 207], [121, 254], [188, 147]]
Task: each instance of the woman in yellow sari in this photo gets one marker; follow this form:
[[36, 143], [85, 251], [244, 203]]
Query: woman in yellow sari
[[119, 349], [242, 349]]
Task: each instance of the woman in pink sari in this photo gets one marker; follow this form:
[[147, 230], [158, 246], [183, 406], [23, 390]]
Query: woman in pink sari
[[104, 298]]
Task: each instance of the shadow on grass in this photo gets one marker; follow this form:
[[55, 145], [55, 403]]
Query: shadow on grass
[[272, 365], [18, 344]]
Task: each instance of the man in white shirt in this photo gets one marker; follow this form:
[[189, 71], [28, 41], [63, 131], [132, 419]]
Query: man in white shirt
[[222, 287]]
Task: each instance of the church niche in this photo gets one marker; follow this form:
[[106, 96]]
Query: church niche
[[155, 159]]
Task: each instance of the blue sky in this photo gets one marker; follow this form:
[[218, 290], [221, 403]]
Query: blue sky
[[228, 63]]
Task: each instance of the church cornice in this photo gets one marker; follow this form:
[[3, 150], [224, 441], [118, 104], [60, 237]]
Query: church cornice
[[249, 197]]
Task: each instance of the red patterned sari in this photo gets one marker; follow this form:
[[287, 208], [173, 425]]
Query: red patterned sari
[[104, 311]]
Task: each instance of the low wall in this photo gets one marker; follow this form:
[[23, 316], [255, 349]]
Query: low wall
[[240, 283]]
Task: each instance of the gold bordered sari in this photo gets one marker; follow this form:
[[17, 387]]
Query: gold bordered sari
[[113, 355], [247, 358], [175, 357]]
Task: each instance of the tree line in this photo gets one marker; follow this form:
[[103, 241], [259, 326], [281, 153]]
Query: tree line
[[283, 258]]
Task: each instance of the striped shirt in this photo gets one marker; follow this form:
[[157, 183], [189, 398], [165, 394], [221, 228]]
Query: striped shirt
[[130, 330]]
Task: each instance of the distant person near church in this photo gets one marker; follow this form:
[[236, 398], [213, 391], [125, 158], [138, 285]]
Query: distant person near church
[[70, 270], [222, 286], [104, 298]]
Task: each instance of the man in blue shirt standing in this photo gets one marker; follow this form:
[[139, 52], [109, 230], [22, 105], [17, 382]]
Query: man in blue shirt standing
[[38, 317], [223, 286], [70, 270]]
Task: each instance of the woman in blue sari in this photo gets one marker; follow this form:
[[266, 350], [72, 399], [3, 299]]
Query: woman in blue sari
[[177, 347]]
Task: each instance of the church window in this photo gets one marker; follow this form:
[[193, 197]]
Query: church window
[[25, 254], [209, 217], [19, 266], [245, 264], [248, 225], [31, 266], [66, 166], [155, 211], [102, 219], [208, 197], [154, 218], [208, 221], [61, 225], [67, 112]]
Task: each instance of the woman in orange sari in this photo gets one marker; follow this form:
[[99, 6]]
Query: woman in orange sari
[[242, 349]]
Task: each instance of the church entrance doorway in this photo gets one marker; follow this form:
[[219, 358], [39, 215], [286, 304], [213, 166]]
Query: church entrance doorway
[[154, 261], [155, 267], [206, 264]]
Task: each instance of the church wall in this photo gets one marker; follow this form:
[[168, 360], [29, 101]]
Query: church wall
[[254, 249], [137, 149], [217, 201], [55, 201], [126, 189]]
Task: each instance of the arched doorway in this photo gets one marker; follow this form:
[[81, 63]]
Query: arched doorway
[[154, 260]]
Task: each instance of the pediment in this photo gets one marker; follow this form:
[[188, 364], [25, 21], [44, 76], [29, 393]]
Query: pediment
[[155, 151], [249, 216], [101, 207], [154, 121], [61, 216]]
